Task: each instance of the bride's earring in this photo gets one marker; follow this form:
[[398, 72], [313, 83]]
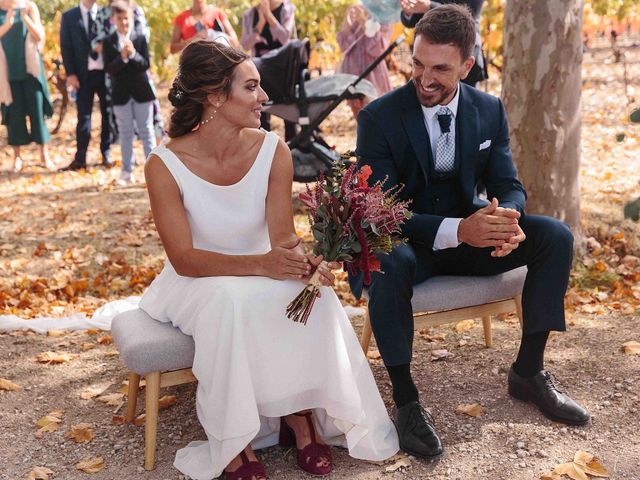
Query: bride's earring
[[215, 110]]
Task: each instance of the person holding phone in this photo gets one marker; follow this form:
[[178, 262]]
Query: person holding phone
[[201, 22], [23, 85], [269, 25]]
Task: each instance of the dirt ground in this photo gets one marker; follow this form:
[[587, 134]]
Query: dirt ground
[[508, 441]]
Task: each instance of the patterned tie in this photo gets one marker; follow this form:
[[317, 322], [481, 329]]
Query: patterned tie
[[446, 145], [93, 34]]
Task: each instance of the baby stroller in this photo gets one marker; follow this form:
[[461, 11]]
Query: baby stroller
[[295, 98]]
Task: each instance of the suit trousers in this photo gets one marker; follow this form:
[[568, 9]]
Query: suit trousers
[[95, 85], [547, 252]]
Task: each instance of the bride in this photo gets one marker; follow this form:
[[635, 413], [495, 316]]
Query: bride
[[220, 193]]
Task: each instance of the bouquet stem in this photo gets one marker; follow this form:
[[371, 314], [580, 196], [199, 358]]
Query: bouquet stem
[[300, 308]]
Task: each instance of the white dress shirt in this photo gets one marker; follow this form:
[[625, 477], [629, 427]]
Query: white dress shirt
[[97, 64], [447, 235]]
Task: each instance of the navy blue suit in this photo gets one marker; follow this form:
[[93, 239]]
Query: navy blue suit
[[76, 48], [393, 140]]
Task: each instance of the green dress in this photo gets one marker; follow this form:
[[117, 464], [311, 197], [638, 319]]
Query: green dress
[[30, 94]]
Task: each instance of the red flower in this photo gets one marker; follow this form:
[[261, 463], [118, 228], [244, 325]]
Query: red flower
[[363, 175]]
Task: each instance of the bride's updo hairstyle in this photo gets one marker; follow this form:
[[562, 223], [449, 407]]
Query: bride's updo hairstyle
[[205, 67]]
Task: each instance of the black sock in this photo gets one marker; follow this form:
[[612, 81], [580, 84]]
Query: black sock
[[530, 358], [404, 390]]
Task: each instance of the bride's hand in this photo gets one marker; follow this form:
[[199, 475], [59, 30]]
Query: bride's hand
[[284, 262], [327, 278]]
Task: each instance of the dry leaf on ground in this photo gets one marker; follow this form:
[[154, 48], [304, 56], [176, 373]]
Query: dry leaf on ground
[[571, 470], [583, 465], [550, 476], [105, 340], [88, 346], [465, 325], [112, 399], [8, 385], [440, 354], [166, 401], [49, 423], [401, 463], [471, 409], [124, 388], [80, 433], [118, 420], [55, 357], [91, 392], [631, 348], [40, 473], [91, 465], [139, 420], [590, 464]]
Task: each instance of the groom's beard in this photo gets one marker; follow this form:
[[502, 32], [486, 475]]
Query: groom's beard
[[439, 96]]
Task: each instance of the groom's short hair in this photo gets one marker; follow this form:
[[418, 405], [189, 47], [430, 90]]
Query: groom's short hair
[[449, 24]]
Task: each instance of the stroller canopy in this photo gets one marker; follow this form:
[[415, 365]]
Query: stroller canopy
[[280, 70]]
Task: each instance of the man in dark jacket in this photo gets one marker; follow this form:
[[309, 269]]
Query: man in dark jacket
[[438, 138], [85, 74]]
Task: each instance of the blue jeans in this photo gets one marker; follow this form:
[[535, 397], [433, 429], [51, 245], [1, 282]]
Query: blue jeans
[[139, 115]]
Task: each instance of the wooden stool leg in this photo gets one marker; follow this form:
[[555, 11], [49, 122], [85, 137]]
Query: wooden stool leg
[[365, 339], [132, 396], [486, 324], [151, 419], [518, 301]]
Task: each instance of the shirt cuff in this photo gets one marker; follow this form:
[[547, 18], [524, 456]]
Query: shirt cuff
[[447, 236]]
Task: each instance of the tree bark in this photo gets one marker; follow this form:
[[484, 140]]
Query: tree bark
[[541, 89]]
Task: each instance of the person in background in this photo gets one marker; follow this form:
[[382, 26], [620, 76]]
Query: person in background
[[413, 10], [85, 74], [23, 85], [126, 58], [362, 40], [267, 26], [201, 22], [140, 26]]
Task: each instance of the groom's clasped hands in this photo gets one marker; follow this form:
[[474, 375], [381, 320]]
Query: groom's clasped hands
[[492, 226]]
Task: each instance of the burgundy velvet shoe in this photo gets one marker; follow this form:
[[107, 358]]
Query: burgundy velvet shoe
[[312, 454], [247, 471]]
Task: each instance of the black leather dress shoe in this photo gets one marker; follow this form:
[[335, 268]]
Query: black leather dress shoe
[[544, 394], [75, 165], [416, 433]]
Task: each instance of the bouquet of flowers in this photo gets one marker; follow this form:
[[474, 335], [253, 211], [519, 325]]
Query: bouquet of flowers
[[351, 222]]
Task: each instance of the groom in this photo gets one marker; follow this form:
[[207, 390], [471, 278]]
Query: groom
[[438, 138]]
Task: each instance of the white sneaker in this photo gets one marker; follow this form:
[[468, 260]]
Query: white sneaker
[[126, 178]]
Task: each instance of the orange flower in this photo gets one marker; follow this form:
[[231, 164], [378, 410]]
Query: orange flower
[[363, 175]]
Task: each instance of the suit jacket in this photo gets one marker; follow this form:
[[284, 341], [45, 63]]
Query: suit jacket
[[393, 140], [74, 44], [128, 79]]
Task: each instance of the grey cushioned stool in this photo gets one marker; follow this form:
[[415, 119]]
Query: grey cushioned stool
[[159, 352], [447, 299]]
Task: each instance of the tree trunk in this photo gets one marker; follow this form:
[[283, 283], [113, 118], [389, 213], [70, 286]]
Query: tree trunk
[[541, 88]]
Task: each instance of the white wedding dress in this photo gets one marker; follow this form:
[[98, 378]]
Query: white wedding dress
[[253, 364]]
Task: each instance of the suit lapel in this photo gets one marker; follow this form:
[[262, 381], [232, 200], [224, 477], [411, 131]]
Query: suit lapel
[[413, 123], [81, 28], [468, 133]]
